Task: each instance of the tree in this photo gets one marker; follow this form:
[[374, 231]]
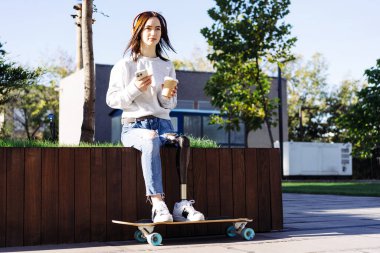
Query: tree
[[307, 96], [30, 114], [197, 63], [244, 36], [313, 111], [57, 66], [362, 121], [14, 77], [338, 103], [88, 125]]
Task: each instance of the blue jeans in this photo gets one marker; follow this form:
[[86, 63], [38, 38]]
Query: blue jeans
[[148, 136]]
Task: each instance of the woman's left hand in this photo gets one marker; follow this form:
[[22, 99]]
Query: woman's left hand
[[173, 92]]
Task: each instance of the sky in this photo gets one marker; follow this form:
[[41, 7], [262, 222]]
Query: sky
[[345, 32]]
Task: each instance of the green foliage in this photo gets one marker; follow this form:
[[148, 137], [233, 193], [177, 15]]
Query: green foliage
[[232, 93], [306, 97], [245, 35], [202, 143], [362, 120], [252, 29], [338, 104], [197, 63], [14, 77], [57, 66], [23, 143], [312, 111], [37, 102], [27, 117]]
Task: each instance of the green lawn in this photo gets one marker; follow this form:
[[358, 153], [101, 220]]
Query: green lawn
[[336, 188]]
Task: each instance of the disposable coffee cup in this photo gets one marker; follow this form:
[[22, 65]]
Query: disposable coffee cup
[[169, 85]]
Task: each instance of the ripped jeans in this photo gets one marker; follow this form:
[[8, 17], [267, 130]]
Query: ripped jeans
[[148, 136]]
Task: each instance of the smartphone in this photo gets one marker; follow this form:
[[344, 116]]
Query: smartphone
[[141, 74]]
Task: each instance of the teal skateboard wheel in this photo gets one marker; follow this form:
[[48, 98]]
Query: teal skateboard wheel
[[139, 236], [231, 232], [248, 234], [154, 239]]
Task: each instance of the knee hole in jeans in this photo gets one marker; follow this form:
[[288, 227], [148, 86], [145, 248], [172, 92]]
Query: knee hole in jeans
[[150, 135]]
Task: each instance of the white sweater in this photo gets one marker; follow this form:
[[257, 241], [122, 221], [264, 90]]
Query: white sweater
[[123, 94]]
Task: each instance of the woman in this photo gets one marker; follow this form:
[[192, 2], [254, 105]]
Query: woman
[[145, 118]]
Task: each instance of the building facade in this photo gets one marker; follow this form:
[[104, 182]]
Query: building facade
[[191, 116]]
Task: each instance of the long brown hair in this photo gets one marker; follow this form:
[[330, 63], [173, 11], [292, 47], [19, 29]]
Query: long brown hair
[[137, 28]]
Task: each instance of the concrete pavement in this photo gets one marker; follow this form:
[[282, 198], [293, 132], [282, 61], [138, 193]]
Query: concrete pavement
[[312, 224]]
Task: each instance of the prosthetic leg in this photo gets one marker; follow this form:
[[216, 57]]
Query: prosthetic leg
[[184, 210], [182, 162]]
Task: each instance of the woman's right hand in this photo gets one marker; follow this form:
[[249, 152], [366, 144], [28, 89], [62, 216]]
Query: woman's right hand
[[144, 83]]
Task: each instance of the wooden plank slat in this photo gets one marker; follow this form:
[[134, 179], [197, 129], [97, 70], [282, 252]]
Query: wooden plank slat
[[98, 194], [251, 196], [172, 188], [82, 195], [33, 198], [66, 192], [49, 233], [113, 158], [15, 197], [276, 192], [128, 189], [213, 189], [227, 201], [200, 187], [3, 197], [143, 207], [238, 182], [263, 168]]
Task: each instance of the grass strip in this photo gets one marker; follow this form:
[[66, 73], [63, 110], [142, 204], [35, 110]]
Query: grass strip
[[371, 189], [21, 143]]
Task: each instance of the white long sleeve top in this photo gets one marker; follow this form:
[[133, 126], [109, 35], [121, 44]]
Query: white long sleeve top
[[123, 94]]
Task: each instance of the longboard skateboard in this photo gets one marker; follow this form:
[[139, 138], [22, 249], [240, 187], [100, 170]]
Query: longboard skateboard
[[146, 228]]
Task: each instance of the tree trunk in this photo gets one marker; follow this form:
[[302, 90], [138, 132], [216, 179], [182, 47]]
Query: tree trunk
[[88, 125], [246, 133], [269, 131], [78, 20], [263, 99]]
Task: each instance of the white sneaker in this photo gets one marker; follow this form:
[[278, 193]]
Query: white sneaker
[[184, 211], [160, 213]]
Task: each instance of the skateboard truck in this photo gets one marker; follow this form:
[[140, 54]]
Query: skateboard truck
[[238, 228], [145, 233]]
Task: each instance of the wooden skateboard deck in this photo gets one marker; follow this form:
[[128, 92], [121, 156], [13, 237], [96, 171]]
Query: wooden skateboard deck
[[148, 222], [146, 228]]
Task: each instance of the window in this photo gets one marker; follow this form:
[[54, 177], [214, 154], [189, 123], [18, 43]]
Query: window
[[174, 121], [116, 129], [205, 105], [213, 132], [185, 104], [237, 137], [192, 125]]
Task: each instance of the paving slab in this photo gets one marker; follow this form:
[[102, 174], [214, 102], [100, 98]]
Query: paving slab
[[312, 224]]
